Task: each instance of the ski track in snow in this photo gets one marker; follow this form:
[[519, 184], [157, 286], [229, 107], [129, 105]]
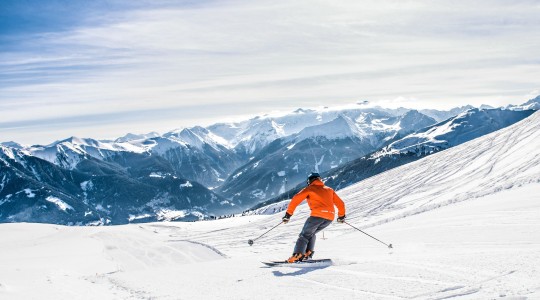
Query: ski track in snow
[[460, 290], [117, 286], [358, 292], [204, 245], [464, 225]]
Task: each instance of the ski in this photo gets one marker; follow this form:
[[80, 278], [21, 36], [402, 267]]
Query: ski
[[307, 263]]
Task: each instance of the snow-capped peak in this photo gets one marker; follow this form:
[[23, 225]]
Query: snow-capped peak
[[187, 135], [197, 137], [13, 145], [7, 151], [532, 104], [366, 118], [258, 135], [303, 111], [85, 142], [132, 137], [414, 120], [485, 106], [69, 152], [340, 127]]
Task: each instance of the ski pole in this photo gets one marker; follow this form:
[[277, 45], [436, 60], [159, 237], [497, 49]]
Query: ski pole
[[250, 242], [387, 245]]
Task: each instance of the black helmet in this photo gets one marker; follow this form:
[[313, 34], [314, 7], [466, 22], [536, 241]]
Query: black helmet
[[312, 177]]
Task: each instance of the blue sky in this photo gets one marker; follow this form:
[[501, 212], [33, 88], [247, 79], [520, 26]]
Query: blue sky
[[104, 68]]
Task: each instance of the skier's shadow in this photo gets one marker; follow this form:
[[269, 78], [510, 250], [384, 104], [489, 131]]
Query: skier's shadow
[[301, 271]]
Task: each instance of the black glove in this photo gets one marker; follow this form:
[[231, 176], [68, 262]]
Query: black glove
[[341, 219], [286, 218]]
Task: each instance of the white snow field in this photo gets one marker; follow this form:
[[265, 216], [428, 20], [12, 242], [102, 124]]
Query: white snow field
[[465, 224]]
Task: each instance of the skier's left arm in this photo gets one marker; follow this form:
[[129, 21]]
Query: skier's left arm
[[340, 206]]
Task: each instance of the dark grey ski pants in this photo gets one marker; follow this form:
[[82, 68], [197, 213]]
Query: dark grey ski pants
[[306, 239]]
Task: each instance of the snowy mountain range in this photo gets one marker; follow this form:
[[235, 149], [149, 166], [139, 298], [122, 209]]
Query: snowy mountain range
[[463, 224], [226, 167]]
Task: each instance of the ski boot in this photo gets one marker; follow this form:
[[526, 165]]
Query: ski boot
[[296, 257], [308, 255]]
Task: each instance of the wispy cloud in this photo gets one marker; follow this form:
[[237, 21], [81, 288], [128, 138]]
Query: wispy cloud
[[258, 55]]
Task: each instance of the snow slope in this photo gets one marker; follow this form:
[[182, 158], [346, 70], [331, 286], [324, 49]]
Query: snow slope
[[464, 224]]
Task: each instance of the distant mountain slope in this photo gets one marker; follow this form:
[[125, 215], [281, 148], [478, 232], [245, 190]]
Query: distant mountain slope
[[195, 153], [99, 192]]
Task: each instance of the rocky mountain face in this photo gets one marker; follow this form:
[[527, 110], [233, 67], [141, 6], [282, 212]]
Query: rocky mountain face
[[127, 187]]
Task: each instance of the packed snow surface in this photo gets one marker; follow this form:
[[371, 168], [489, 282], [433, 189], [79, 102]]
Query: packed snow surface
[[464, 224]]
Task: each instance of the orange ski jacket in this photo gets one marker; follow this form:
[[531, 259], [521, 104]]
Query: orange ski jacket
[[321, 200]]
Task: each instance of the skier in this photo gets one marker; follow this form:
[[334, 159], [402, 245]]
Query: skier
[[321, 200]]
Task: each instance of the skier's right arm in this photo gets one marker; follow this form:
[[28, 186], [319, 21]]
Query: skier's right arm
[[296, 200]]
